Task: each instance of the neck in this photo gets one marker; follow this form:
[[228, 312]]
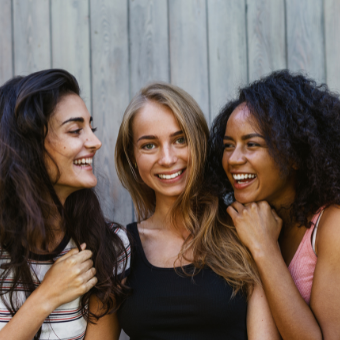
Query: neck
[[162, 215]]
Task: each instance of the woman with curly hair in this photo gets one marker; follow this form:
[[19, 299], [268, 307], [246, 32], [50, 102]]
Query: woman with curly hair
[[277, 147], [49, 213], [191, 277]]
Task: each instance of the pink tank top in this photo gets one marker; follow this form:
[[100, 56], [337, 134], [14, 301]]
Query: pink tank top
[[303, 263]]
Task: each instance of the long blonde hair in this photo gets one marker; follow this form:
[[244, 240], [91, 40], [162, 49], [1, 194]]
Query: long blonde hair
[[213, 241]]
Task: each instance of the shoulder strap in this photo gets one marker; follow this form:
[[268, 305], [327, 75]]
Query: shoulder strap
[[315, 231]]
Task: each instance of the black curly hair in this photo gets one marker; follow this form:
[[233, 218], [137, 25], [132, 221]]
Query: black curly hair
[[300, 121]]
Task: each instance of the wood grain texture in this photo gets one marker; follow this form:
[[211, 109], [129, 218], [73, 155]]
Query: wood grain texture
[[110, 96], [71, 41], [332, 42], [6, 56], [227, 51], [149, 45], [305, 40], [266, 37], [188, 49], [32, 44]]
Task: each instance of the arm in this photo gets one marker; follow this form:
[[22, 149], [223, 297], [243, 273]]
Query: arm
[[325, 297], [260, 323], [71, 276], [258, 227], [106, 327]]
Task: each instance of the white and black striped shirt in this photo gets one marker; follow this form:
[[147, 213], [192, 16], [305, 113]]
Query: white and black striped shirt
[[66, 322]]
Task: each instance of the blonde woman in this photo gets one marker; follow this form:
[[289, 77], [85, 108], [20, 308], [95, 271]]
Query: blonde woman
[[191, 278]]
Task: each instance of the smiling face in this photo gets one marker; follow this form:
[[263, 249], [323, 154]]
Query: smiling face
[[72, 144], [251, 170], [160, 150]]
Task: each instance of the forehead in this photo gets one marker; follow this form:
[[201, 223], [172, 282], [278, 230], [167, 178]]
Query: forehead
[[241, 121], [69, 106], [154, 119]]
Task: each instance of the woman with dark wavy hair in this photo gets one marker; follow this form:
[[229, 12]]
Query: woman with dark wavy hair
[[277, 147], [49, 213]]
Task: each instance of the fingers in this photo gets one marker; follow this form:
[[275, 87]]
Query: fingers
[[237, 206], [276, 216], [70, 253], [90, 284]]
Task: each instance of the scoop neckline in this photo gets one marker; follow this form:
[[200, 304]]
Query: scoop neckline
[[47, 257], [146, 261]]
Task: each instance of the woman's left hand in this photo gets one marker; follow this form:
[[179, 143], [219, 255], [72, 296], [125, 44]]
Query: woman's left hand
[[257, 225]]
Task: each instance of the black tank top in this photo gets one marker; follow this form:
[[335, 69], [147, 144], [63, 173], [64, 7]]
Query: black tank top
[[166, 304]]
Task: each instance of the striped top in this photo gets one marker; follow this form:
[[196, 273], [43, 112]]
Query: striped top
[[66, 322]]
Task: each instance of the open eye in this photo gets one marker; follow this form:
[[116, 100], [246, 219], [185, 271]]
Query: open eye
[[227, 146], [181, 140], [148, 146], [252, 144]]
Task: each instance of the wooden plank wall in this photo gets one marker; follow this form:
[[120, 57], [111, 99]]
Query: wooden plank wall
[[208, 47]]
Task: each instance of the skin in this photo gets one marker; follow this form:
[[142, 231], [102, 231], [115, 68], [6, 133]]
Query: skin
[[161, 148], [72, 275], [259, 228]]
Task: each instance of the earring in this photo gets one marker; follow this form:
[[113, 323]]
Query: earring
[[136, 165]]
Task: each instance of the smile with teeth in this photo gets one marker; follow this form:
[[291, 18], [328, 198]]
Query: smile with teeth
[[174, 175], [243, 178], [83, 161]]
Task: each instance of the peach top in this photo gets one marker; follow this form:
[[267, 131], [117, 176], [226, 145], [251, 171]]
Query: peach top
[[303, 263]]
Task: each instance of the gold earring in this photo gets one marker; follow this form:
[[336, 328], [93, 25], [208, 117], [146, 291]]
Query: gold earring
[[136, 165]]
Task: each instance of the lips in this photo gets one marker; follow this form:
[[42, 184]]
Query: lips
[[171, 176], [243, 180]]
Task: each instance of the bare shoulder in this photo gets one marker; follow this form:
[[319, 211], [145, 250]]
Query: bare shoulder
[[328, 235]]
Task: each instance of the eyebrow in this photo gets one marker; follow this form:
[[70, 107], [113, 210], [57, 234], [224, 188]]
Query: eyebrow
[[75, 119], [245, 137], [155, 137]]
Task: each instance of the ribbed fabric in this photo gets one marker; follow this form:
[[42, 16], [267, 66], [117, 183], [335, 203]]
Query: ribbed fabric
[[303, 264], [168, 305]]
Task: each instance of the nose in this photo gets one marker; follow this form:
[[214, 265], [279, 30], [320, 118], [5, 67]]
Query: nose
[[237, 157], [92, 142], [168, 156]]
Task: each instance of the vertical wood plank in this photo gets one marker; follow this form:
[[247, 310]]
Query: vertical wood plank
[[188, 49], [110, 96], [332, 34], [305, 42], [227, 51], [149, 48], [31, 25], [6, 63], [71, 41], [266, 37]]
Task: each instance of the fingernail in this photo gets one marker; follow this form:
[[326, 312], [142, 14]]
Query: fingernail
[[83, 246]]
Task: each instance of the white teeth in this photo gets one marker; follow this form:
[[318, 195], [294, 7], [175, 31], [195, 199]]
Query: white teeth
[[83, 161], [239, 177], [176, 174]]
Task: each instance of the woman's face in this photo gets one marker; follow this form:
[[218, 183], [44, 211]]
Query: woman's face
[[160, 149], [72, 144], [253, 173]]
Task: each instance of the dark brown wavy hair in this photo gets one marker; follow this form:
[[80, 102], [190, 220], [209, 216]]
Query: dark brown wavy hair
[[213, 239], [28, 201]]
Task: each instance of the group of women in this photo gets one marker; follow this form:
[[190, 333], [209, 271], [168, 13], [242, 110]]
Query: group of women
[[237, 229]]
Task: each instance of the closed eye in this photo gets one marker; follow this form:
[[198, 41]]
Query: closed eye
[[75, 132], [94, 130]]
